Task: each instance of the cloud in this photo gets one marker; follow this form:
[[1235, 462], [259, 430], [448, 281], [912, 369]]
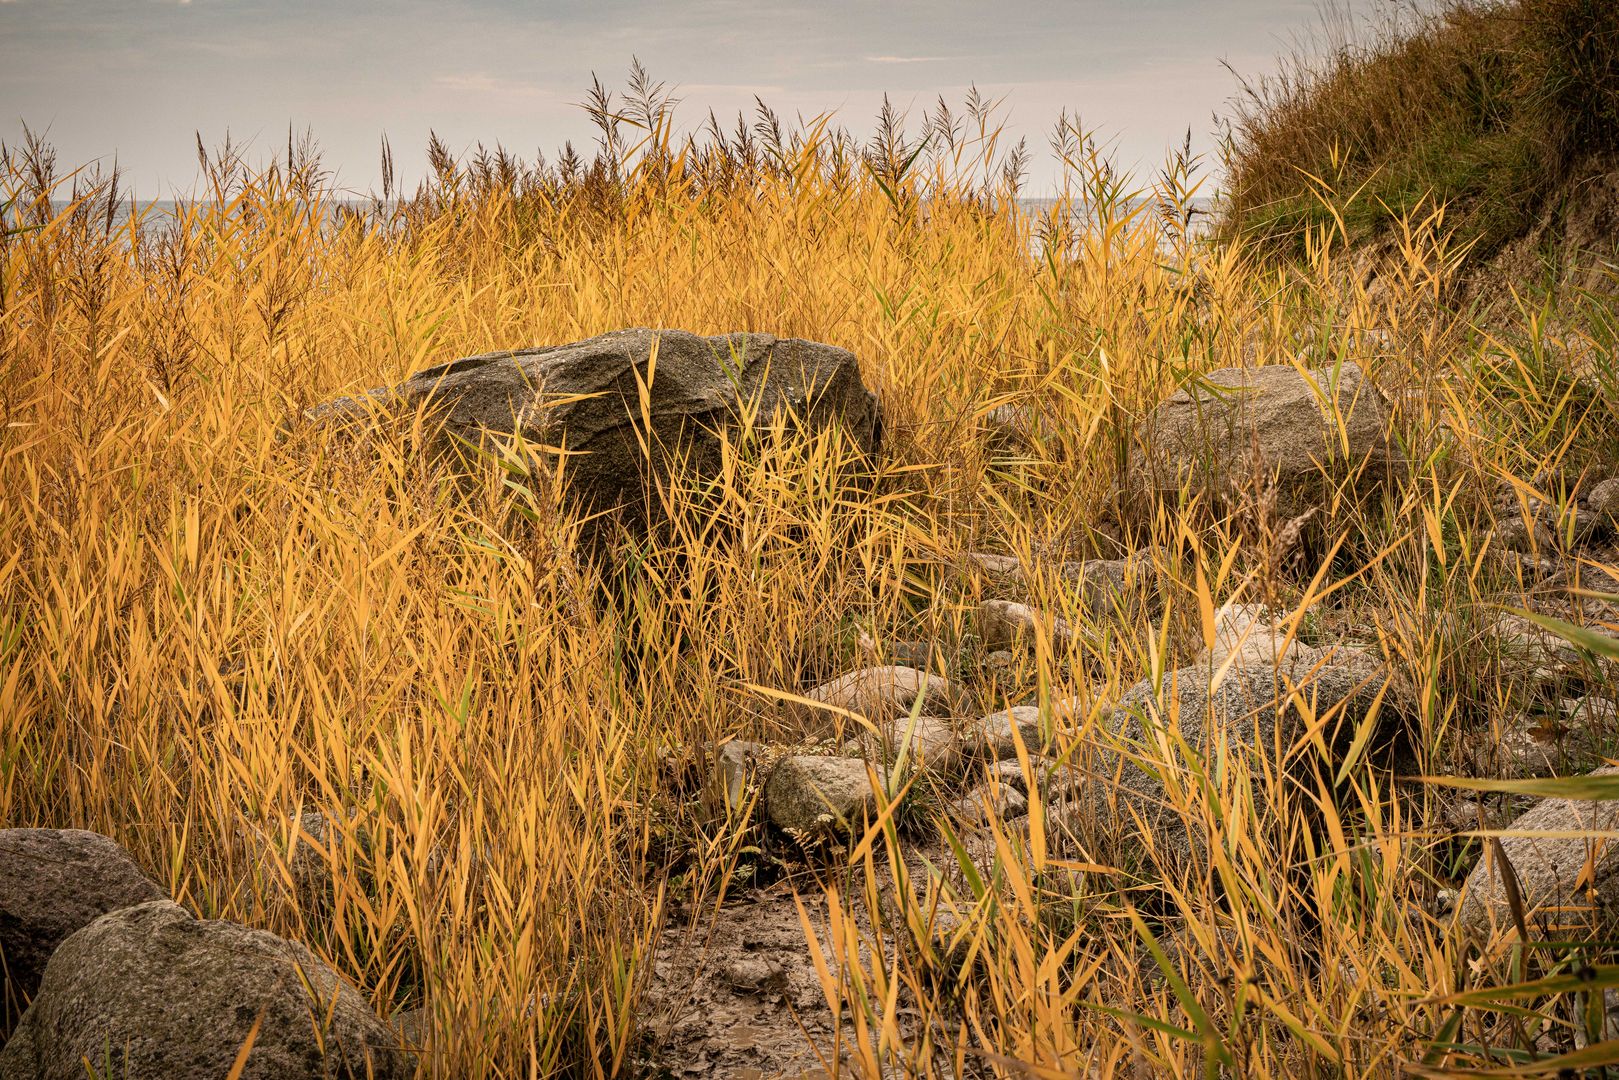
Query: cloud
[[909, 59], [479, 82]]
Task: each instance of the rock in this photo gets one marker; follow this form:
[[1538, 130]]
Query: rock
[[1310, 432], [585, 398], [993, 735], [934, 744], [916, 654], [809, 794], [1538, 744], [1603, 501], [1248, 711], [735, 764], [883, 693], [1126, 587], [1561, 893], [149, 991], [996, 732], [987, 801], [54, 882], [1002, 623]]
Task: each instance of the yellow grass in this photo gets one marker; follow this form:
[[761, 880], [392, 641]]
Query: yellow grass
[[214, 617]]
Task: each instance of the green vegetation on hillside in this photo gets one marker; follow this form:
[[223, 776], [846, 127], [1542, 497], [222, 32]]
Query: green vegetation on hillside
[[1489, 108]]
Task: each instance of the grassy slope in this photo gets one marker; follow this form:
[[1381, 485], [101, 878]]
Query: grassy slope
[[1495, 109]]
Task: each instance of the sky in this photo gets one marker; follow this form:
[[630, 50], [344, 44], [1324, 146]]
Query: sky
[[139, 80]]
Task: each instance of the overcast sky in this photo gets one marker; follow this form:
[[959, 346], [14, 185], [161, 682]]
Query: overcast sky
[[136, 78]]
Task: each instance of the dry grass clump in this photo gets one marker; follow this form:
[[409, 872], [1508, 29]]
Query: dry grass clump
[[1486, 106], [215, 619]]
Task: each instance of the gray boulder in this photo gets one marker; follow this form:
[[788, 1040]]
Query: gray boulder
[[884, 693], [150, 993], [1569, 882], [1308, 432], [54, 882], [1114, 586], [810, 794], [933, 744], [585, 399], [1003, 623], [1205, 719], [1603, 501]]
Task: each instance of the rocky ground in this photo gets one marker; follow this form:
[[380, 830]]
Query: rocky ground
[[95, 951]]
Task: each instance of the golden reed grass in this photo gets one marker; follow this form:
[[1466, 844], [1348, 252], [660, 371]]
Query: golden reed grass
[[214, 618]]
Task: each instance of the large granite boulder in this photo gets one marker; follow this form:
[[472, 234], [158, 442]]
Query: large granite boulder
[[1566, 868], [585, 400], [52, 883], [149, 992], [1308, 432]]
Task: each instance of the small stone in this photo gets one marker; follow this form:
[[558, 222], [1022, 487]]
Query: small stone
[[754, 975], [810, 794], [888, 692], [1002, 623], [999, 801]]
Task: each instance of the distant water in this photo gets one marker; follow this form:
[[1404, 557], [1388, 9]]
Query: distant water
[[1032, 206], [1038, 209]]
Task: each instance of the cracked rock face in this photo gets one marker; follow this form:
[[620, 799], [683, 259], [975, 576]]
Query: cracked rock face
[[153, 992], [586, 399], [54, 882]]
